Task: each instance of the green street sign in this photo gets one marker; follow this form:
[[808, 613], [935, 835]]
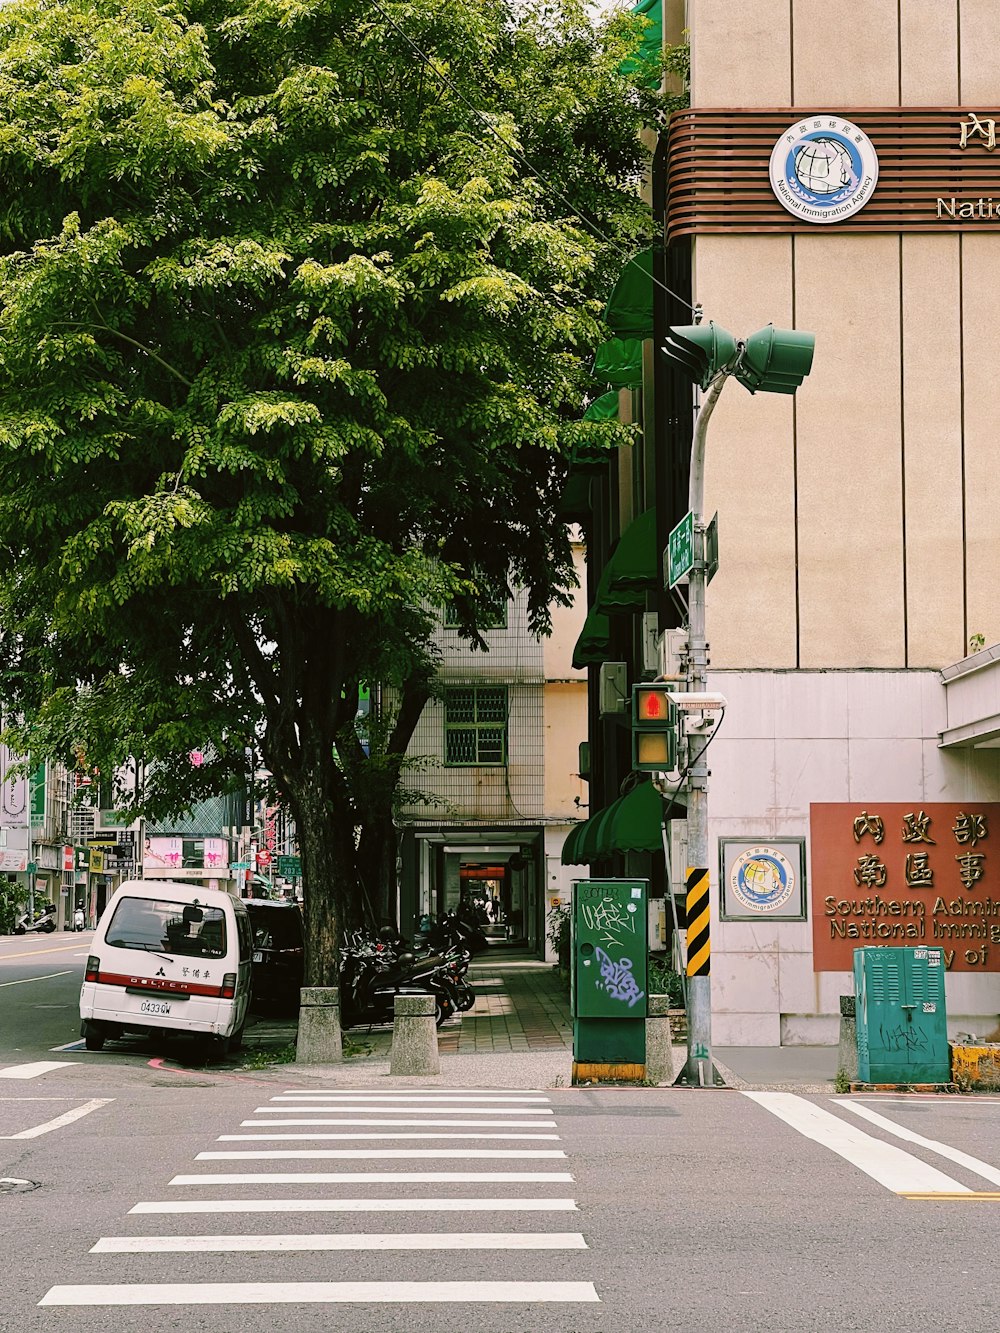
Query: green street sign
[[32, 867], [239, 865], [680, 551], [712, 549], [290, 867]]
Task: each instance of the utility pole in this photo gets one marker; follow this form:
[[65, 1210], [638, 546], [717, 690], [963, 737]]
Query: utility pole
[[772, 361]]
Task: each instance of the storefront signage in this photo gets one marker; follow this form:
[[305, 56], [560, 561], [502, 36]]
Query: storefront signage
[[903, 169], [890, 874], [823, 169]]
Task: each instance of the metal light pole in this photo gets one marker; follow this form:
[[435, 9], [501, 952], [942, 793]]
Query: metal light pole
[[699, 1068]]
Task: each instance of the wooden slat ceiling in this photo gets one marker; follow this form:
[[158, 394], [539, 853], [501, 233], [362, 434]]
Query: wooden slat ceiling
[[717, 177]]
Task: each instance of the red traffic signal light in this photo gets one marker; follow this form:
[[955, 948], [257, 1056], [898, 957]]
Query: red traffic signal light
[[654, 729]]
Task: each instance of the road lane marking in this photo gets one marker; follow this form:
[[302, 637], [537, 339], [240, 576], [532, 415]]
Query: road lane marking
[[318, 1293], [512, 1094], [979, 1168], [384, 1240], [973, 1196], [271, 1138], [410, 1097], [377, 1154], [354, 1108], [434, 1122], [35, 1069], [37, 953], [360, 1177], [358, 1206], [66, 1118], [897, 1170], [78, 1045], [23, 981]]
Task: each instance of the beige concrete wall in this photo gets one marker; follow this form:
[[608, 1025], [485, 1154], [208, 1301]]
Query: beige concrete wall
[[565, 712], [567, 625], [881, 477]]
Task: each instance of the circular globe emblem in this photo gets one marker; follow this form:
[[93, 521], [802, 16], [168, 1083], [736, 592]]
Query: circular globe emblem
[[762, 879], [823, 169]]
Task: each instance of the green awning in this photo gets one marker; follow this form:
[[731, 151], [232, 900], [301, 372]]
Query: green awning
[[611, 601], [604, 408], [629, 312], [594, 642], [634, 562], [630, 824], [574, 503], [647, 54], [618, 362]]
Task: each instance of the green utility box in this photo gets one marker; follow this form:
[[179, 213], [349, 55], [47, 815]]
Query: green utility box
[[900, 1012], [608, 976]]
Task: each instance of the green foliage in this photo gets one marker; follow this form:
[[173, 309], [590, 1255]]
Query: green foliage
[[293, 340], [13, 898], [661, 979]]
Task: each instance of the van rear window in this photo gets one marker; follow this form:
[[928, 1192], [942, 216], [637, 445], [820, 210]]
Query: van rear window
[[161, 926]]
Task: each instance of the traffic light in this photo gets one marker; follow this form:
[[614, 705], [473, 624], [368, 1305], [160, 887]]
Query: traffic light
[[775, 360], [654, 729], [701, 350]]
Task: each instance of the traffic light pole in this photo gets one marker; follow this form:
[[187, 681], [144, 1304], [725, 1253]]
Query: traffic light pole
[[699, 1068]]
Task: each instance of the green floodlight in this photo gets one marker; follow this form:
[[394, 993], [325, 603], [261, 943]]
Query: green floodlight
[[701, 350], [775, 360]]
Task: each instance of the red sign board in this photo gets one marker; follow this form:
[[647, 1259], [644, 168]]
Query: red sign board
[[890, 874], [68, 859]]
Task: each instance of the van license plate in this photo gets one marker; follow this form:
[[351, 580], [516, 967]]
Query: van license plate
[[154, 1007], [258, 957]]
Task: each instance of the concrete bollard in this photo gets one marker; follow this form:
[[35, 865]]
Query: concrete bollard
[[319, 1041], [414, 1036], [847, 1053], [659, 1043]]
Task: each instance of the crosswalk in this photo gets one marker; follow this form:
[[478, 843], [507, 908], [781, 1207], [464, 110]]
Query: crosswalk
[[35, 1069], [519, 1192]]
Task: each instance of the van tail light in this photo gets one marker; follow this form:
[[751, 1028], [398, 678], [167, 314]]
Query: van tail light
[[229, 986], [93, 968]]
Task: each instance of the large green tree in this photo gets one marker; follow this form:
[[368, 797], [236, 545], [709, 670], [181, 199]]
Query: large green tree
[[296, 304]]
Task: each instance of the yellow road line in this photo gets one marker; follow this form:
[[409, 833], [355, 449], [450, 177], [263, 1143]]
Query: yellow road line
[[37, 953], [973, 1196]]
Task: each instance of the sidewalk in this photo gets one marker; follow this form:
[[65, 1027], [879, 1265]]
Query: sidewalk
[[519, 1034]]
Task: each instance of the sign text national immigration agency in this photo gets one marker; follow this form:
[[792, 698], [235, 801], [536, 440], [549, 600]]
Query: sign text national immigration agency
[[892, 874]]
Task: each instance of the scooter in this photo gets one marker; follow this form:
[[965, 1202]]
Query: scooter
[[44, 923], [371, 977]]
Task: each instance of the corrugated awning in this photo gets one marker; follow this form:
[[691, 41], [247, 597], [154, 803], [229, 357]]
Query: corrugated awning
[[618, 362], [594, 642], [629, 312], [630, 824], [632, 568]]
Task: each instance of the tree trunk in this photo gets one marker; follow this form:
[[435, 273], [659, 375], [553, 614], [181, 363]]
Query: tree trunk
[[377, 863]]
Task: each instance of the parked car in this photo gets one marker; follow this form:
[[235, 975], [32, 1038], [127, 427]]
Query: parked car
[[278, 952]]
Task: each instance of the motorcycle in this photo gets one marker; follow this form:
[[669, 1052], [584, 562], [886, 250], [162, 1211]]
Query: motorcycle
[[44, 923], [374, 972]]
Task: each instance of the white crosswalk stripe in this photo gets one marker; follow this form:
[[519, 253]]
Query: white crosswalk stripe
[[36, 1068], [412, 1118]]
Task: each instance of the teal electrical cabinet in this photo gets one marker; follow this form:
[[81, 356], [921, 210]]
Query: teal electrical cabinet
[[900, 1013], [609, 951]]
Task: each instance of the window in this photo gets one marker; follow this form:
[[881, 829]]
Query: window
[[475, 725], [176, 928], [498, 621]]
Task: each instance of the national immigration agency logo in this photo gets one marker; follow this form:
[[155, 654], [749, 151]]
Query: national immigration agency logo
[[823, 169], [762, 880]]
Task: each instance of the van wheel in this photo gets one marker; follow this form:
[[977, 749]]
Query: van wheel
[[94, 1041], [235, 1042]]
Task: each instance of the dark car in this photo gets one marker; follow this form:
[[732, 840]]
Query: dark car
[[278, 952]]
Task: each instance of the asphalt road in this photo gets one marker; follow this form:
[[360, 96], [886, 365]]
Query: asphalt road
[[691, 1210]]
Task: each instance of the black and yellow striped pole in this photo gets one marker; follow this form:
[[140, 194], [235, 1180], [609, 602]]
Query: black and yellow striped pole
[[699, 941]]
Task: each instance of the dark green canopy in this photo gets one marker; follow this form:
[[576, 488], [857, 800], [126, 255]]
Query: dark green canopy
[[618, 362], [604, 408], [632, 568], [647, 54], [629, 313], [594, 642], [630, 824]]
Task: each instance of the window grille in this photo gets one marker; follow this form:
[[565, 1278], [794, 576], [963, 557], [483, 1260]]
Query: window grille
[[476, 725], [498, 621]]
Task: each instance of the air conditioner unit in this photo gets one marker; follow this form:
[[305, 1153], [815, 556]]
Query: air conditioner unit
[[672, 651], [612, 693]]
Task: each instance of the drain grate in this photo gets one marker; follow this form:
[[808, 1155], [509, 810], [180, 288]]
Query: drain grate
[[11, 1185]]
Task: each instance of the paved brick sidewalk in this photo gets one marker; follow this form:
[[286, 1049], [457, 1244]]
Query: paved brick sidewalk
[[521, 1005]]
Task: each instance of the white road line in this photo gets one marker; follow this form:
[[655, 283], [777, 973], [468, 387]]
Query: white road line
[[414, 1205], [531, 1094], [372, 1177], [78, 1045], [353, 1108], [322, 1293], [34, 1070], [23, 981], [66, 1118], [382, 1240], [955, 1155], [271, 1138], [361, 1095], [433, 1121], [377, 1154], [896, 1170]]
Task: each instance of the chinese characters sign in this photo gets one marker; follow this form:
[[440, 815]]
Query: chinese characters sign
[[892, 874]]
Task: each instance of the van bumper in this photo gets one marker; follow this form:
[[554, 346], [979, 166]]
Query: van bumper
[[114, 1007]]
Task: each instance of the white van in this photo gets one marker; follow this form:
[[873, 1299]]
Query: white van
[[168, 958]]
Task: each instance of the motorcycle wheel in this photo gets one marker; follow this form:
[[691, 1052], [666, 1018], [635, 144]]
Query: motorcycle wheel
[[466, 1000]]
